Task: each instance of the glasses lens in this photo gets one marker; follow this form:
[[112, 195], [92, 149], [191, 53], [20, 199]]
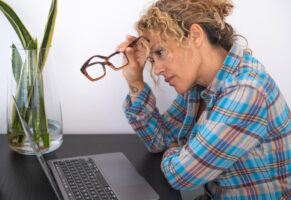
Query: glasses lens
[[118, 60], [95, 71]]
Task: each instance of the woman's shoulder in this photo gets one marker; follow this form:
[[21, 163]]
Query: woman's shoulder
[[250, 69], [251, 73]]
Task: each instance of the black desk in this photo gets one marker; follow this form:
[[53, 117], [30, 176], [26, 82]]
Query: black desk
[[21, 177]]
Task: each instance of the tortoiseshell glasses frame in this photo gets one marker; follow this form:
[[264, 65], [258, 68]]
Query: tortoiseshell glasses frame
[[106, 61]]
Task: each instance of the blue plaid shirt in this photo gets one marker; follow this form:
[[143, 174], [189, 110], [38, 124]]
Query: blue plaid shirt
[[240, 147]]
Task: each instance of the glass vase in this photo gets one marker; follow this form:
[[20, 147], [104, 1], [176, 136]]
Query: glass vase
[[32, 82]]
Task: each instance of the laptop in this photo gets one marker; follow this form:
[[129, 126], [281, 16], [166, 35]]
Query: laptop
[[109, 176]]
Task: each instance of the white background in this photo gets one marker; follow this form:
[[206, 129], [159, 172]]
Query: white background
[[88, 27]]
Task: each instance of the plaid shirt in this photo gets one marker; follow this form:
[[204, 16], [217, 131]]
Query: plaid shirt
[[240, 147]]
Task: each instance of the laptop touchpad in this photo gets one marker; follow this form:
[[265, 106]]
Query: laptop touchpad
[[118, 170]]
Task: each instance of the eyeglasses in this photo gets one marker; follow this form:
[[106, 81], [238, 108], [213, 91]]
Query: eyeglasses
[[94, 67]]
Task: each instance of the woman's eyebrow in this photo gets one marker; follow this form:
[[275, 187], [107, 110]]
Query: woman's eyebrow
[[154, 47]]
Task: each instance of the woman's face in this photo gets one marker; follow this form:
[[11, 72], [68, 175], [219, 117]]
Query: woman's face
[[179, 65]]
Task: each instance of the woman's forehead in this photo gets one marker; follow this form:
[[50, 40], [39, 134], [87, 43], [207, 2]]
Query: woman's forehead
[[160, 39]]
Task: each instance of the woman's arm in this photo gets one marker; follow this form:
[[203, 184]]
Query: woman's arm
[[155, 130], [237, 123]]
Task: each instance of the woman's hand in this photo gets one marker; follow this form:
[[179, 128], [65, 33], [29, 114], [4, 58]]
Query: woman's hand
[[133, 73], [136, 55]]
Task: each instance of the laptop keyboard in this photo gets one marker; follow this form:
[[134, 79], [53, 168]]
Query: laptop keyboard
[[83, 180]]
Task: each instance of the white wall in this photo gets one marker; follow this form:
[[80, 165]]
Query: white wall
[[88, 27]]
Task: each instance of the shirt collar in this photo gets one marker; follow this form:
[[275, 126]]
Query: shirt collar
[[229, 66]]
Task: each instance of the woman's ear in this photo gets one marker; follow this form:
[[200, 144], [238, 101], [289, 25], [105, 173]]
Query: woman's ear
[[197, 34]]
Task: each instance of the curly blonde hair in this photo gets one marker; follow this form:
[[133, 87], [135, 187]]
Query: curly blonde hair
[[175, 17]]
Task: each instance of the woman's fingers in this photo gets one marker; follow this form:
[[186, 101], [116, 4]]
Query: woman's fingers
[[130, 37], [121, 47], [131, 56], [135, 55], [133, 73]]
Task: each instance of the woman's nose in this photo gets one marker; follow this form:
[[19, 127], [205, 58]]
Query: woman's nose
[[159, 68]]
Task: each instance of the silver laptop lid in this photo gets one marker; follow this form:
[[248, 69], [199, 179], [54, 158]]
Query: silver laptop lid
[[37, 152]]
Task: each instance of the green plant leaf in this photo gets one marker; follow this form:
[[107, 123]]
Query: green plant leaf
[[16, 63], [48, 34], [16, 23], [32, 44], [25, 85], [39, 119], [30, 92]]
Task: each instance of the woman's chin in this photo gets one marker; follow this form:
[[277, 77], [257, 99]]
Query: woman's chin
[[180, 90]]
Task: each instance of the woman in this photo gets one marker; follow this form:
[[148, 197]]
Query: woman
[[229, 126]]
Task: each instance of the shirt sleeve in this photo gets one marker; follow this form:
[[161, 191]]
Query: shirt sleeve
[[236, 123], [155, 130]]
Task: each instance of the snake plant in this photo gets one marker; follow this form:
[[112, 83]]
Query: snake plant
[[34, 115]]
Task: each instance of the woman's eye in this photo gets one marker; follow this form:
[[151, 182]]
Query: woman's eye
[[159, 53], [156, 55]]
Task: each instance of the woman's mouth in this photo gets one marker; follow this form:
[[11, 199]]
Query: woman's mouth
[[170, 80]]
